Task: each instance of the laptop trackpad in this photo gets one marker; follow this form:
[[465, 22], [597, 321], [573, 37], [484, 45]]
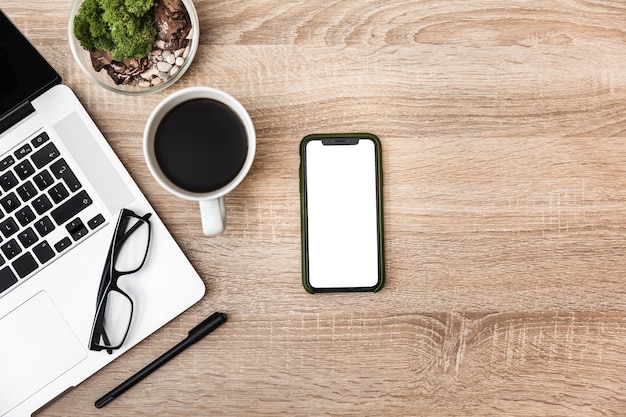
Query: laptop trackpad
[[37, 347]]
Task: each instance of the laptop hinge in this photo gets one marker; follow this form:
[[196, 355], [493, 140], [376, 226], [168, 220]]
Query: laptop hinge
[[16, 115]]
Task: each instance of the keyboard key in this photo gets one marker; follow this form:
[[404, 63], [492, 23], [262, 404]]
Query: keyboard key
[[74, 224], [42, 204], [24, 169], [63, 244], [96, 221], [27, 191], [40, 139], [58, 193], [24, 265], [76, 229], [7, 278], [71, 207], [45, 155], [43, 226], [43, 180], [6, 162], [43, 252], [23, 151], [61, 170], [8, 180], [10, 202], [25, 215], [27, 237], [79, 233], [9, 227], [11, 249]]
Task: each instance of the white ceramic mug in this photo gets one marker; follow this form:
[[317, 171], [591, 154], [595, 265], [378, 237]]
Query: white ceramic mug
[[213, 203]]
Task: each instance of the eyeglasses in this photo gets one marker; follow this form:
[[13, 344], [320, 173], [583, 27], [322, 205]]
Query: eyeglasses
[[114, 307]]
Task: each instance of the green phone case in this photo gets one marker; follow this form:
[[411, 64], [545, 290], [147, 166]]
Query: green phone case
[[303, 213]]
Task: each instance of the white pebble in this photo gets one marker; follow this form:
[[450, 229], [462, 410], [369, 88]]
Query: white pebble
[[186, 52], [180, 61], [174, 70], [149, 74], [179, 52], [164, 76], [164, 66], [156, 81], [171, 59]]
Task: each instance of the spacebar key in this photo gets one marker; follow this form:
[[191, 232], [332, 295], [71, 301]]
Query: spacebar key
[[71, 207]]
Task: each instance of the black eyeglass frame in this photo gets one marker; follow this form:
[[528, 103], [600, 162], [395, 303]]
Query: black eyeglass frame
[[110, 277]]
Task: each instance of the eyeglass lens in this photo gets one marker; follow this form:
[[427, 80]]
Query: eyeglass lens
[[118, 311]]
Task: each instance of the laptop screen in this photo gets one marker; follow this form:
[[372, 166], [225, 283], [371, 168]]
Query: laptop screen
[[24, 73]]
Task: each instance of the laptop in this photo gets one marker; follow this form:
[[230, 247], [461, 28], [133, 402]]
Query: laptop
[[61, 191]]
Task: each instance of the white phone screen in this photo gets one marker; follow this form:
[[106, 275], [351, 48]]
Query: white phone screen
[[342, 214]]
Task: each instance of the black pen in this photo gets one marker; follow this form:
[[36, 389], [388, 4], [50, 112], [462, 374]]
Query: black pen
[[197, 333]]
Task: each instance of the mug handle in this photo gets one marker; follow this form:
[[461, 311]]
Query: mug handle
[[213, 214]]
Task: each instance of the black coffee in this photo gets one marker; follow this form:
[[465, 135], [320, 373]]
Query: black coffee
[[201, 145]]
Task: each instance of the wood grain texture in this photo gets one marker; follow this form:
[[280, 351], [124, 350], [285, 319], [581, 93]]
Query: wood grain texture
[[504, 155]]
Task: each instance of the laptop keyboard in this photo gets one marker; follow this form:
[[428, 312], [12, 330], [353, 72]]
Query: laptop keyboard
[[43, 210]]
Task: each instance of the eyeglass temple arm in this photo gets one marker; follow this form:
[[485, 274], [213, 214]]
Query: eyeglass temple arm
[[122, 238]]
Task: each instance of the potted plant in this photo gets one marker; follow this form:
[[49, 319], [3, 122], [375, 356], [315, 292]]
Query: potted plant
[[138, 43]]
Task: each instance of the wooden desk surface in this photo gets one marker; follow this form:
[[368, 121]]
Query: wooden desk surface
[[504, 137]]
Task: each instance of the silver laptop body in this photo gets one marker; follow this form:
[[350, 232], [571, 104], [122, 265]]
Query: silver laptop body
[[58, 221]]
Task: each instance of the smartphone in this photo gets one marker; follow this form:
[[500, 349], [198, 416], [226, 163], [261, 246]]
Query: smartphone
[[341, 212]]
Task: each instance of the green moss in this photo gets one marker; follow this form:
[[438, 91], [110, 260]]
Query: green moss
[[126, 28], [138, 7]]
